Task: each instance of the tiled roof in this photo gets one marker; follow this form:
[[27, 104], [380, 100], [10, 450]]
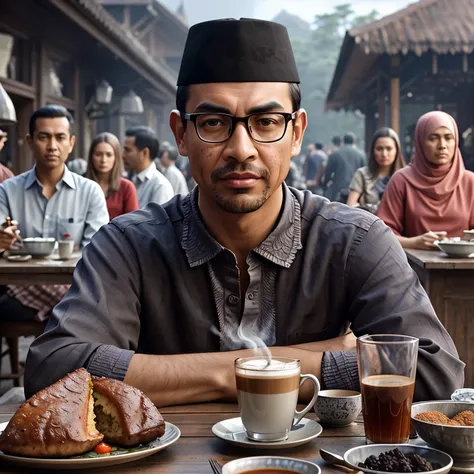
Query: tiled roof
[[442, 26], [439, 26]]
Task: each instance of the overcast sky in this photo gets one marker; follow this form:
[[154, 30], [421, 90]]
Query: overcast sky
[[201, 10]]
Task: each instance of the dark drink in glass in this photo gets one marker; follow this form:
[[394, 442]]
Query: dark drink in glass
[[387, 369]]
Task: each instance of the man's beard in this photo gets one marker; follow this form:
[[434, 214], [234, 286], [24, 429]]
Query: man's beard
[[234, 204]]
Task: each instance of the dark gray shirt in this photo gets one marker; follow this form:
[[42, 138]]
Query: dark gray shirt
[[340, 169], [156, 282]]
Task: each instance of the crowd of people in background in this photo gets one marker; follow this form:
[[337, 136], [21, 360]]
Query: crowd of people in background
[[431, 198], [63, 198]]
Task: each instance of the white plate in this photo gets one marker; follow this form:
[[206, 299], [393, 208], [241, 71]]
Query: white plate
[[91, 460], [233, 431]]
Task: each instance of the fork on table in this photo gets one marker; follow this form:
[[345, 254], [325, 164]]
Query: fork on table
[[215, 466]]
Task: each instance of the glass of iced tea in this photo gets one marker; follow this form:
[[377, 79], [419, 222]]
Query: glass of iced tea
[[387, 369]]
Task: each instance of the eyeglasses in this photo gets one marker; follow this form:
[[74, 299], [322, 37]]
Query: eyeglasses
[[262, 127]]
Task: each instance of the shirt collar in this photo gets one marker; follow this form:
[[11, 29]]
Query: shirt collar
[[147, 173], [67, 178], [280, 247]]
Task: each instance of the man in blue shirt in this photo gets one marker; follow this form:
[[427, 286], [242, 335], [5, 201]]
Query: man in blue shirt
[[48, 201]]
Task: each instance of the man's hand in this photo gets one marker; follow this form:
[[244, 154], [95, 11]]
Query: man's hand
[[8, 235]]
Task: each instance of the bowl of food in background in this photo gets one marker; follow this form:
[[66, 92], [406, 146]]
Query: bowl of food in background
[[448, 426], [456, 247], [38, 247]]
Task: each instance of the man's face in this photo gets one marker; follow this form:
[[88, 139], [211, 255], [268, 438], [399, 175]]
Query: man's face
[[240, 174], [3, 140], [164, 159], [51, 142], [131, 154]]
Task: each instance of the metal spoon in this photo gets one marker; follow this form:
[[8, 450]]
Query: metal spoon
[[332, 458]]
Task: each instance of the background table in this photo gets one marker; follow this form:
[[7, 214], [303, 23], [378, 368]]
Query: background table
[[449, 283], [38, 271], [197, 444]]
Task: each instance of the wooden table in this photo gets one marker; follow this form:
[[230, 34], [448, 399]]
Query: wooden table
[[449, 283], [38, 271], [190, 454]]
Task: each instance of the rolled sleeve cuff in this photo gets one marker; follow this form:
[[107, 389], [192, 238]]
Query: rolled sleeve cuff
[[110, 361], [339, 370]]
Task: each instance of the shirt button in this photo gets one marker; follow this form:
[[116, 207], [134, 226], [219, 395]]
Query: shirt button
[[232, 300], [250, 296]]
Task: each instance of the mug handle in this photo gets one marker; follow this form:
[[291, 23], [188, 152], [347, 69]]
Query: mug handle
[[300, 414]]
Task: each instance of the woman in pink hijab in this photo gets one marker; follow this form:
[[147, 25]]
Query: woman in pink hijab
[[433, 197]]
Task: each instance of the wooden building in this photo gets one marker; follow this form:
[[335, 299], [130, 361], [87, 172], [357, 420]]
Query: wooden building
[[408, 63], [56, 51]]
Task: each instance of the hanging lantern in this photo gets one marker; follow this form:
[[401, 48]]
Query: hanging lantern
[[131, 104], [7, 109]]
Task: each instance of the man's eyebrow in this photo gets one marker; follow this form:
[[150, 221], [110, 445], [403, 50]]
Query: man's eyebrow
[[212, 108], [219, 109], [268, 107]]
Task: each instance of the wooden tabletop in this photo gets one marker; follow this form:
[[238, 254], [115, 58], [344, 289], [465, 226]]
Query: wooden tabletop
[[39, 271], [437, 260], [190, 454]]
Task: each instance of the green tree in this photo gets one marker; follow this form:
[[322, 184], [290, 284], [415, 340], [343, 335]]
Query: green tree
[[316, 58]]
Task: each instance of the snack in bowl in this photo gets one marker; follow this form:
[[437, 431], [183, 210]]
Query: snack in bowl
[[72, 416], [396, 461], [464, 418], [454, 439]]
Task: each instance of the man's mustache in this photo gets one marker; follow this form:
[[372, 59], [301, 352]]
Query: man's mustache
[[217, 174]]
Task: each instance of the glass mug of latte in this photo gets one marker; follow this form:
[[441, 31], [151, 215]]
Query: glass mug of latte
[[387, 369], [268, 394]]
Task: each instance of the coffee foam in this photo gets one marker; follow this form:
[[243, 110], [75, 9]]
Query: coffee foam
[[276, 368]]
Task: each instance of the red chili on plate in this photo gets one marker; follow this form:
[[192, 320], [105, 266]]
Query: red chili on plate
[[103, 448]]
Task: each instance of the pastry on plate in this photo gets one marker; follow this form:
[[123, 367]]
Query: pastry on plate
[[124, 414], [58, 421]]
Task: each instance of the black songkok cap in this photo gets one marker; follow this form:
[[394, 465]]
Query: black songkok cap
[[244, 50]]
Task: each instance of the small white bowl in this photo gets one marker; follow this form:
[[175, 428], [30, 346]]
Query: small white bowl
[[459, 248]]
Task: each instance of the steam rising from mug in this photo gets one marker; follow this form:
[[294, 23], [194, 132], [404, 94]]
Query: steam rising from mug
[[239, 337]]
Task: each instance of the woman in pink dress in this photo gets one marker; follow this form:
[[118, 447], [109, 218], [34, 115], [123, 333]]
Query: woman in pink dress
[[433, 197]]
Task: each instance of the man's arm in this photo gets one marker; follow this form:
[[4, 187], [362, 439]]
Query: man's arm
[[194, 378], [97, 214], [330, 170], [387, 297]]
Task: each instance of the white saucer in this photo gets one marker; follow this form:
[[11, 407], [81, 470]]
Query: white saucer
[[233, 431]]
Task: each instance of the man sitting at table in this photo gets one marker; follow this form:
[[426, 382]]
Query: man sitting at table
[[47, 201], [167, 297]]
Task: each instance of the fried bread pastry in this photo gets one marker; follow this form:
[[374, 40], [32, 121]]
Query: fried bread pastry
[[464, 418], [434, 417], [58, 421], [124, 414]]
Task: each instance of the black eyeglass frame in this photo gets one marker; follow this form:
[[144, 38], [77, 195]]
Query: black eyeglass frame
[[194, 116]]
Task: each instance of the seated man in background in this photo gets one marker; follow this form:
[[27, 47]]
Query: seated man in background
[[47, 201], [141, 147], [167, 298]]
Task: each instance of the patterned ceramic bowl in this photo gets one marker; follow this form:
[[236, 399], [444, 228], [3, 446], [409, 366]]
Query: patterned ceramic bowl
[[338, 407]]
